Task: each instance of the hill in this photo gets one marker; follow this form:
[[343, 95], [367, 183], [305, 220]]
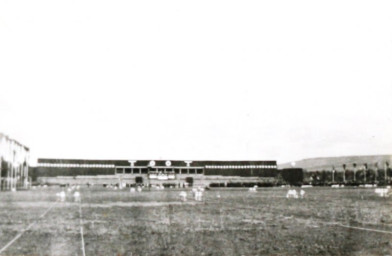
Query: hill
[[326, 163]]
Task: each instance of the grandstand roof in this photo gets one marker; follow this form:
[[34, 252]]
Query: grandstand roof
[[2, 135], [144, 163]]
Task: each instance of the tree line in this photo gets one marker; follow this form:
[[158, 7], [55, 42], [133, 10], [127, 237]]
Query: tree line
[[351, 174]]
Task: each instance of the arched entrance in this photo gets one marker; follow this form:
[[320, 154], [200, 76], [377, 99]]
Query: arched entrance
[[189, 180], [139, 180]]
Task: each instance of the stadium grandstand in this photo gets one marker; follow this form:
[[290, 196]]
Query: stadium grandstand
[[14, 167], [173, 173]]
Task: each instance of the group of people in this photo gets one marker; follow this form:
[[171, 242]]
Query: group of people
[[383, 192], [61, 196], [292, 193], [197, 194], [138, 189]]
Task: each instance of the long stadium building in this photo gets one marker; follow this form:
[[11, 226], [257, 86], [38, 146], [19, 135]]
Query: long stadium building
[[153, 172]]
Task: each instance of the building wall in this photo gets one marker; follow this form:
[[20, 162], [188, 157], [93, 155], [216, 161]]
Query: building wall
[[179, 182], [14, 159], [40, 171], [55, 171]]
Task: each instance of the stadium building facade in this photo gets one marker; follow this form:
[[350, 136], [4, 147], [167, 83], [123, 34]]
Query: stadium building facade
[[14, 168], [173, 173]]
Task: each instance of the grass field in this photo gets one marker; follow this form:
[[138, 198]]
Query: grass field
[[349, 221]]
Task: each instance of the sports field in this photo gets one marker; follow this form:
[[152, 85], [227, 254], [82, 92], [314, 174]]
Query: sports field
[[344, 221]]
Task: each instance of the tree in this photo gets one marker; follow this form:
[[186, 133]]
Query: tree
[[333, 174], [386, 167], [365, 170], [376, 173], [355, 171], [344, 173], [324, 177]]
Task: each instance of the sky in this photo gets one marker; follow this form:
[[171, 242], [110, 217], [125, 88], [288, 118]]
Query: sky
[[201, 80]]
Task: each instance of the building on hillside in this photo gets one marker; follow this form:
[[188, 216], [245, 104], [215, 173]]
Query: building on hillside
[[14, 158], [173, 173]]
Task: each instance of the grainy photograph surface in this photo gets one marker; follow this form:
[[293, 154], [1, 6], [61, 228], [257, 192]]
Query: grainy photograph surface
[[143, 128]]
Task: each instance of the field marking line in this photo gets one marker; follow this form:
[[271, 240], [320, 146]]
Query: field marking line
[[81, 228], [26, 229], [366, 229]]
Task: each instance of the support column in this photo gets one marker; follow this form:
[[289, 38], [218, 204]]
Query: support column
[[26, 177], [1, 171], [9, 171]]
